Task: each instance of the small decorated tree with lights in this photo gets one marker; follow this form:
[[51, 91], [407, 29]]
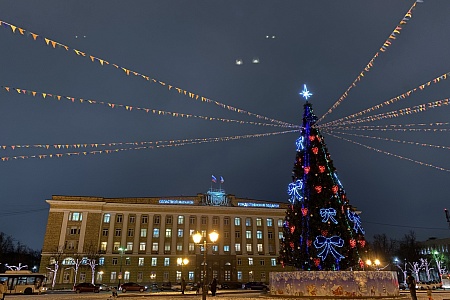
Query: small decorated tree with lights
[[322, 231]]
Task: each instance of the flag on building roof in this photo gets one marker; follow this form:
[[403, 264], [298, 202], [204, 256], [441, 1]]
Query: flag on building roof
[[222, 180], [213, 178]]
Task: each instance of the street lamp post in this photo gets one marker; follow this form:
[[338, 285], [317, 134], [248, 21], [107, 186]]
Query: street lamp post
[[120, 270], [197, 237], [182, 262]]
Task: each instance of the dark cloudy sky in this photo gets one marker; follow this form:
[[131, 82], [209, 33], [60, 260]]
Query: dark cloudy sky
[[193, 45]]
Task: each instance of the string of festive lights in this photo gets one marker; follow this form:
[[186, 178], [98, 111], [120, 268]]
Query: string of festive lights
[[392, 100], [54, 44], [390, 129], [129, 108], [389, 153], [392, 125], [396, 113], [390, 140], [367, 68], [139, 146]]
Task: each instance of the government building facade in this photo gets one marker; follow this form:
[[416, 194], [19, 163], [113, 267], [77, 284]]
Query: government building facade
[[149, 240]]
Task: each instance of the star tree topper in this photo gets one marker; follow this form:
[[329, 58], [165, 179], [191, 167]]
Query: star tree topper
[[305, 93]]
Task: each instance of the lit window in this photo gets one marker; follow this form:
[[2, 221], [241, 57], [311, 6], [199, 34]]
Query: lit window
[[250, 261], [259, 234], [191, 247], [129, 246], [106, 218], [273, 262], [140, 261], [258, 222], [260, 247], [180, 220], [226, 248], [237, 221], [180, 232], [154, 261], [237, 247], [248, 234], [239, 275], [166, 261], [269, 222], [142, 246], [116, 246], [103, 246], [126, 275], [167, 247], [155, 247], [168, 232], [101, 261], [179, 247], [280, 235], [113, 276], [155, 232], [249, 247], [127, 261], [143, 232], [248, 222], [75, 216], [280, 222]]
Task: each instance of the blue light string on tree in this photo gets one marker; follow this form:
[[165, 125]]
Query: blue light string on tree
[[328, 246], [353, 217], [295, 191], [328, 214]]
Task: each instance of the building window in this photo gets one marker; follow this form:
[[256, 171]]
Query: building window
[[226, 248], [113, 276], [114, 261], [273, 262], [168, 232], [192, 220], [227, 276], [75, 216], [144, 219], [167, 247], [180, 232], [191, 276], [258, 222], [260, 247], [157, 219], [259, 234], [237, 247], [127, 261], [166, 261], [130, 232], [140, 261], [140, 276], [129, 246], [239, 262], [248, 234], [280, 235], [191, 247], [132, 219], [156, 232], [153, 275], [118, 232], [105, 232], [262, 262], [74, 230], [142, 246], [270, 235], [119, 218], [248, 222], [154, 261], [155, 247], [191, 232], [116, 246], [249, 247], [215, 248], [269, 222], [237, 221], [101, 261], [263, 276], [226, 221], [106, 218], [166, 276], [126, 275], [226, 234], [280, 222], [179, 247], [103, 246], [237, 234], [250, 261], [143, 232], [239, 275], [215, 220], [168, 219], [178, 276], [204, 220], [180, 220], [271, 247]]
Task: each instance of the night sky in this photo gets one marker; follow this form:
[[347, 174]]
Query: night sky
[[193, 45]]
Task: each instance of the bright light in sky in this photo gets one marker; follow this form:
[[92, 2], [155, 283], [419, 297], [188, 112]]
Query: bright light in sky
[[305, 93]]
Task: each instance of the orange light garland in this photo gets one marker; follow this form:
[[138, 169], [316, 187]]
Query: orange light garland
[[130, 108], [103, 62], [383, 48]]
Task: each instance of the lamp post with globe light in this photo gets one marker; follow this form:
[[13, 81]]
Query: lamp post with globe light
[[120, 270], [182, 262], [197, 237]]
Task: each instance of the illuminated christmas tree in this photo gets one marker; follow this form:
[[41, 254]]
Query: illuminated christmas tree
[[322, 231]]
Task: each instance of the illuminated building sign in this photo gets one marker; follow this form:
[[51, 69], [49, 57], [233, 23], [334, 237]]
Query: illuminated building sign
[[251, 204], [169, 201]]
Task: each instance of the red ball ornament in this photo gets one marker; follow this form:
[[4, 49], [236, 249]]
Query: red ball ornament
[[306, 169], [318, 139], [335, 189], [292, 229], [291, 244], [324, 232], [311, 138], [316, 262], [352, 243], [309, 243], [361, 263], [304, 211], [321, 169], [315, 150], [362, 243], [318, 189]]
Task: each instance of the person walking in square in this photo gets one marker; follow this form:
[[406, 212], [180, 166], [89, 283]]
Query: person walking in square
[[411, 282], [214, 287]]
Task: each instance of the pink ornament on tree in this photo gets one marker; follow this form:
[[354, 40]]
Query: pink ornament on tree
[[318, 189], [306, 169], [304, 211], [315, 150], [321, 169]]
